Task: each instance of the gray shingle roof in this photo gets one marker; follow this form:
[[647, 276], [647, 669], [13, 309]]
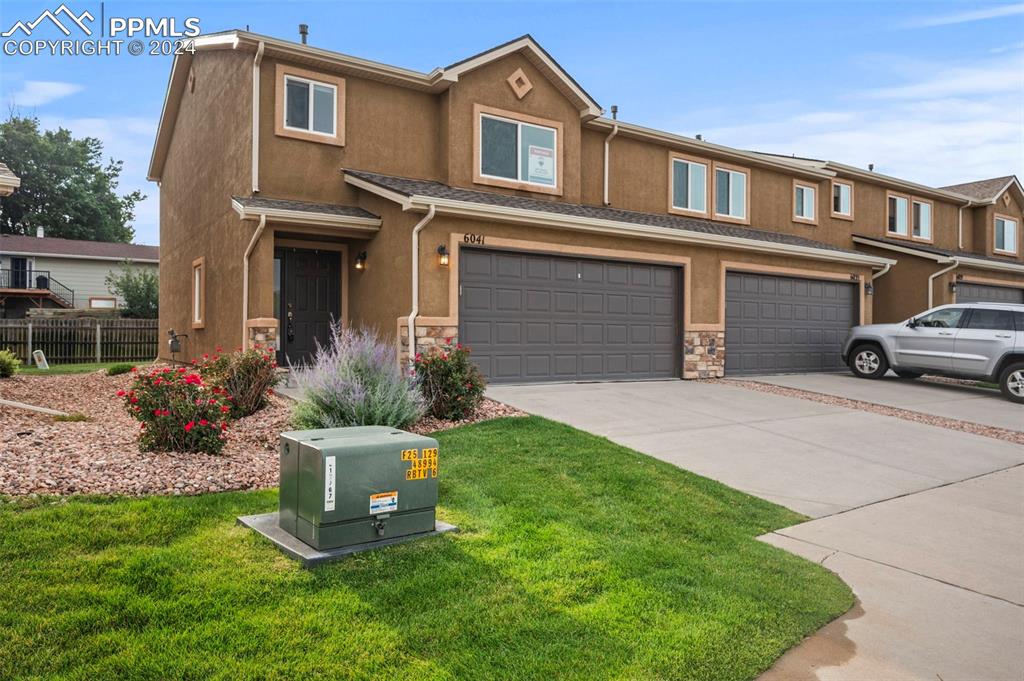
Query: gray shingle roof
[[16, 243], [934, 250], [304, 206], [427, 188], [983, 190]]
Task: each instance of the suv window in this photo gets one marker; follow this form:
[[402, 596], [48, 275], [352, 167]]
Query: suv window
[[1020, 321], [946, 318], [995, 320]]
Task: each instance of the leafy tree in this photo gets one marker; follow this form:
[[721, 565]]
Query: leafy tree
[[139, 288], [64, 186]]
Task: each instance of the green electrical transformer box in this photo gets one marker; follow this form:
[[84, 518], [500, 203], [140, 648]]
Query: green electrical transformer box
[[345, 486]]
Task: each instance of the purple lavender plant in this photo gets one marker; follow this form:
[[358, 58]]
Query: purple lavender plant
[[355, 380]]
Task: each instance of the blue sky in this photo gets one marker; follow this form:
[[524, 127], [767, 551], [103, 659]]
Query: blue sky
[[932, 92]]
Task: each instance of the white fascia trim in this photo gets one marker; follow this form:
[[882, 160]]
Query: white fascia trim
[[903, 249], [306, 217], [701, 147], [967, 260], [913, 187], [400, 199], [990, 264], [542, 218], [71, 256]]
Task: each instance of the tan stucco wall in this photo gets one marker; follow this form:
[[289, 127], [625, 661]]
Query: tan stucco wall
[[983, 227], [208, 162]]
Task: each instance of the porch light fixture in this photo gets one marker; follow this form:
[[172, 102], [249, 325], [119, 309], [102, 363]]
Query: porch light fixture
[[442, 256], [361, 261], [952, 287], [869, 289]]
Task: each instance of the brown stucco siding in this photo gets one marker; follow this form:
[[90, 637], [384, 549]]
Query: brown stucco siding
[[208, 161]]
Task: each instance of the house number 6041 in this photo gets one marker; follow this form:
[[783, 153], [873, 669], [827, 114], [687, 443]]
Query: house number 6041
[[473, 238]]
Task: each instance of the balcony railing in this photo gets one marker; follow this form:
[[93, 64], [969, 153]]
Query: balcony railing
[[36, 280]]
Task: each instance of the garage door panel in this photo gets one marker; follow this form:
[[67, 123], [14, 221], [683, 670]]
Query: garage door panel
[[533, 317], [981, 293], [785, 324]]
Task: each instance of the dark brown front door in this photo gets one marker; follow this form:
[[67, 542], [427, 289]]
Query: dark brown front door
[[310, 300]]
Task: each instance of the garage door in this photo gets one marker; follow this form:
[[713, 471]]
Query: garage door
[[785, 324], [534, 317], [979, 293]]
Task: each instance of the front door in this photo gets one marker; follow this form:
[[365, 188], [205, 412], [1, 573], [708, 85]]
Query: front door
[[310, 301], [19, 273]]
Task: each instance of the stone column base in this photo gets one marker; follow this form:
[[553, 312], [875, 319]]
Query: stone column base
[[703, 354], [427, 336], [262, 332]]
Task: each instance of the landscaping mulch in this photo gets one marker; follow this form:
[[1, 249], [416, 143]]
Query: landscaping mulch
[[994, 432], [100, 456]]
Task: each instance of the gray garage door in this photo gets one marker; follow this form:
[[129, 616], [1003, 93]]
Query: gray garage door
[[785, 324], [979, 293], [533, 317]]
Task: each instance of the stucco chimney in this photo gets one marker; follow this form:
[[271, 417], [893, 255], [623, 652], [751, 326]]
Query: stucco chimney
[[39, 232]]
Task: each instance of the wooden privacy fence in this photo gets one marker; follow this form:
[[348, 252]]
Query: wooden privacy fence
[[76, 341]]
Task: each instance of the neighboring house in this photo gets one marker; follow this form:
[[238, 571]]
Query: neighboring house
[[45, 272], [8, 180], [491, 201]]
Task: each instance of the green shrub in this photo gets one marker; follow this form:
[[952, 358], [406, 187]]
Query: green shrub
[[355, 380], [118, 369], [8, 363], [452, 385], [177, 411], [248, 376]]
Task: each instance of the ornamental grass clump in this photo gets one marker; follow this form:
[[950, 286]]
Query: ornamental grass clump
[[355, 380], [177, 411], [249, 376], [451, 384]]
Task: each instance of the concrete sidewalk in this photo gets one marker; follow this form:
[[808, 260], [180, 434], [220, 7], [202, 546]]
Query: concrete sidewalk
[[925, 524], [956, 401]]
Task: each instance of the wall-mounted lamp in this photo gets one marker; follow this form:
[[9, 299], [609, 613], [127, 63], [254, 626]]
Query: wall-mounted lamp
[[361, 261], [442, 256], [869, 289], [952, 287]]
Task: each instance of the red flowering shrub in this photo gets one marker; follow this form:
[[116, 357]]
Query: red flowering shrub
[[177, 411], [248, 376], [452, 385]]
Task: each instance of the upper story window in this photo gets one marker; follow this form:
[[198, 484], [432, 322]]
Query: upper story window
[[689, 185], [922, 223], [803, 203], [842, 200], [199, 293], [517, 151], [898, 220], [732, 190], [1006, 234], [310, 106]]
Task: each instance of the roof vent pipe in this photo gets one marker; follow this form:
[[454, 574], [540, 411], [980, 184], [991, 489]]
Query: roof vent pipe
[[871, 167], [615, 112], [304, 32], [700, 137]]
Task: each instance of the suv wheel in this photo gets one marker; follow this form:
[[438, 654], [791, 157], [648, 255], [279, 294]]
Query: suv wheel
[[868, 361], [902, 373], [1012, 382]]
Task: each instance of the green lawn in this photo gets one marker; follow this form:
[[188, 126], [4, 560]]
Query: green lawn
[[577, 558], [69, 368]]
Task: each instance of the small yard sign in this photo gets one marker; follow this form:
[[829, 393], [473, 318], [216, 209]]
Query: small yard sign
[[40, 359]]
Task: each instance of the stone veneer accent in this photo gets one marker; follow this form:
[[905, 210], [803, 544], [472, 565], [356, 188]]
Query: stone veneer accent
[[427, 336], [262, 331], [703, 354]]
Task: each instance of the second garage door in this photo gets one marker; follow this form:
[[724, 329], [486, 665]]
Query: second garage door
[[785, 324], [533, 317], [980, 293]]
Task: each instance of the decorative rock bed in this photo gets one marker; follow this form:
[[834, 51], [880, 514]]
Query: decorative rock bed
[[100, 456]]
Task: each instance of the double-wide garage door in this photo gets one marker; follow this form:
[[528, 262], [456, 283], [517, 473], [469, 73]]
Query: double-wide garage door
[[531, 317], [785, 324], [981, 293]]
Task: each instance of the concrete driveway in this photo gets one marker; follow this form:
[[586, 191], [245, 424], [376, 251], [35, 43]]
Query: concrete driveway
[[926, 524], [956, 401]]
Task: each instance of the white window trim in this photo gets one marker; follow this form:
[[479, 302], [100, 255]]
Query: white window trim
[[813, 218], [907, 214], [731, 170], [310, 82], [198, 297], [672, 185], [519, 151], [1015, 231], [831, 199]]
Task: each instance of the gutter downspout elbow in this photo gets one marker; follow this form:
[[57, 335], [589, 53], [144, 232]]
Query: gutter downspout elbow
[[411, 321], [607, 146], [931, 280], [256, 118], [245, 279], [881, 273]]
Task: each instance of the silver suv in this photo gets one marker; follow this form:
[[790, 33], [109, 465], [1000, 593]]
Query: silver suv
[[980, 341]]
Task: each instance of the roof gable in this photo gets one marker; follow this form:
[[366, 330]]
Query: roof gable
[[986, 190]]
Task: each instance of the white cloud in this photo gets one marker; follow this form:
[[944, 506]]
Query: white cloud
[[1012, 47], [966, 17], [128, 139], [1005, 75], [40, 92]]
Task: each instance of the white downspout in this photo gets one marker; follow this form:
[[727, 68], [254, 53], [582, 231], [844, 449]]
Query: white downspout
[[245, 278], [931, 280], [607, 145], [416, 278], [960, 227], [256, 118], [882, 272]]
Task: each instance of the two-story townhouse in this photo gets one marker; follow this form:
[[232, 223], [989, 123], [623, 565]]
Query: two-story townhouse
[[490, 201]]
